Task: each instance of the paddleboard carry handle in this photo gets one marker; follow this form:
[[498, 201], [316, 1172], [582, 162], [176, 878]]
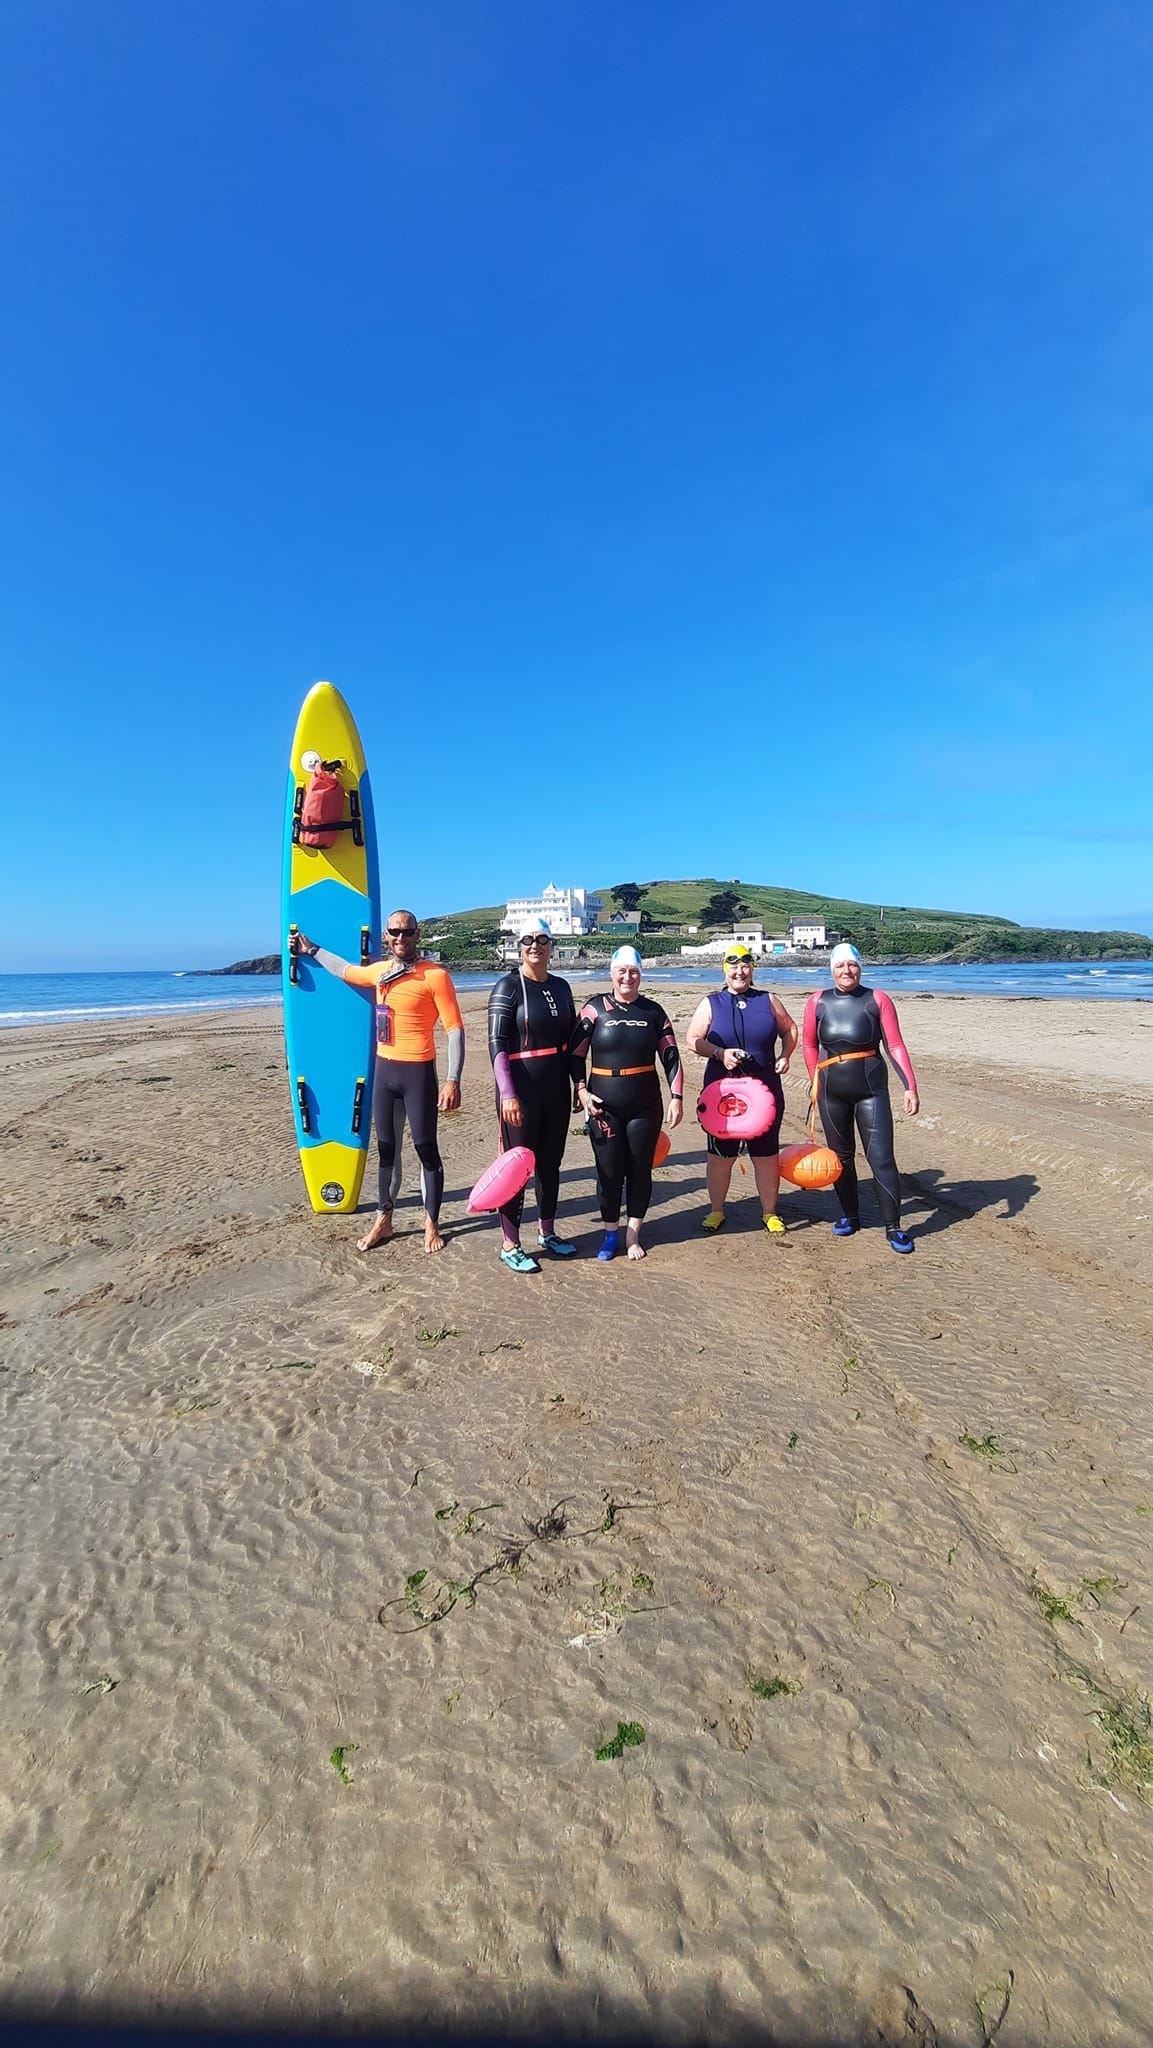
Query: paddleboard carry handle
[[293, 959], [302, 1101], [358, 1105], [365, 945], [352, 825]]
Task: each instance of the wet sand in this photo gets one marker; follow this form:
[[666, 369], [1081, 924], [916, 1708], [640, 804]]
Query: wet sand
[[863, 1544]]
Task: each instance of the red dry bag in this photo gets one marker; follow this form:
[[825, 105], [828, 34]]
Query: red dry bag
[[323, 808]]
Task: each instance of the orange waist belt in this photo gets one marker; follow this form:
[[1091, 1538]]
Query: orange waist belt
[[834, 1060], [618, 1073], [540, 1052]]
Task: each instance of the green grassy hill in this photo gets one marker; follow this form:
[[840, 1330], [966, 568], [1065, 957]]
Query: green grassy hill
[[684, 903], [888, 932], [892, 932]]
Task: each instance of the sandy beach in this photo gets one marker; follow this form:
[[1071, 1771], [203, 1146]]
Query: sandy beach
[[863, 1545]]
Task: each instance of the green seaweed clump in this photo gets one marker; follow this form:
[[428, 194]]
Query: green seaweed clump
[[629, 1735], [774, 1688]]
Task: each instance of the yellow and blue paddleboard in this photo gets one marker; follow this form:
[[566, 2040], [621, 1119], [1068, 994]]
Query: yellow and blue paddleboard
[[333, 894]]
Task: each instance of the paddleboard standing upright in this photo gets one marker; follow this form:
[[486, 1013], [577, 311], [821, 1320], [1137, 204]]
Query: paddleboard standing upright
[[333, 894]]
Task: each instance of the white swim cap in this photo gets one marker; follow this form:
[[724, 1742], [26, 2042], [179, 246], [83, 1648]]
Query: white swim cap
[[533, 928], [626, 956], [843, 952]]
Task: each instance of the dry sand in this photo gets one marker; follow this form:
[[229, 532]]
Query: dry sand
[[228, 1443]]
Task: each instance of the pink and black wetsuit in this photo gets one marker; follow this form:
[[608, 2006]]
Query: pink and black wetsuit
[[622, 1043], [859, 1020]]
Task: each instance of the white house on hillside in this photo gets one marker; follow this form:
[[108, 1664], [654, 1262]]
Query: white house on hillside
[[761, 944], [750, 935], [805, 933], [568, 913]]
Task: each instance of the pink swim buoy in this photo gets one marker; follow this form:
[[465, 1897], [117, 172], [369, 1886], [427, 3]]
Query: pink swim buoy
[[503, 1179], [736, 1108]]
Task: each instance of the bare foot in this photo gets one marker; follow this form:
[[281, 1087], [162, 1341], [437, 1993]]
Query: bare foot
[[636, 1249], [379, 1231], [433, 1241]]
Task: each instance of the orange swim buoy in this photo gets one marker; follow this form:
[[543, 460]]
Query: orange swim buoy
[[810, 1166], [664, 1147]]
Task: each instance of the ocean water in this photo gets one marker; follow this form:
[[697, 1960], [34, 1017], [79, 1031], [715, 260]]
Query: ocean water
[[52, 998], [1120, 980], [28, 999]]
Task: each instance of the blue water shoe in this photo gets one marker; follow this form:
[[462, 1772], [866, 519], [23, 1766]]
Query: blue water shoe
[[518, 1261], [558, 1246]]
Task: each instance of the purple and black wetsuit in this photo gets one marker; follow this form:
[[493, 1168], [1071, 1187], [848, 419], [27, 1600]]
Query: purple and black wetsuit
[[530, 1024]]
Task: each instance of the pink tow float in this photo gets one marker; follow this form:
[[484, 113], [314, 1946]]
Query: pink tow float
[[503, 1179], [736, 1108]]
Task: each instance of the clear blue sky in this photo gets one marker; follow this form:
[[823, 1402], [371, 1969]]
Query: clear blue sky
[[697, 439]]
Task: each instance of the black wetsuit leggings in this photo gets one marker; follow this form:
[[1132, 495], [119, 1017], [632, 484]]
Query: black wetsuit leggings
[[624, 1136], [546, 1114], [859, 1089], [408, 1088]]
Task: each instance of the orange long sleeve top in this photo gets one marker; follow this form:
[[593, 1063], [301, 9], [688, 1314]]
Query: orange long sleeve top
[[408, 1006]]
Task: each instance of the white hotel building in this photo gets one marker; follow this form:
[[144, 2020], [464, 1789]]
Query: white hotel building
[[568, 913]]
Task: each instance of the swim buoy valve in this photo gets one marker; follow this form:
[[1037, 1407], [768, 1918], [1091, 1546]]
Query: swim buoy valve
[[737, 1109]]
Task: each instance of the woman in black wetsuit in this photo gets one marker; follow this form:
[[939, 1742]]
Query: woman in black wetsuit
[[845, 1028], [530, 1022], [622, 1036]]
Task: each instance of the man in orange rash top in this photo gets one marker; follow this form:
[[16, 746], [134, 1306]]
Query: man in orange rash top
[[411, 994]]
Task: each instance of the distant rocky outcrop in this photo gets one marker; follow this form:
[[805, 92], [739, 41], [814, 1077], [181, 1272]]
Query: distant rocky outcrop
[[269, 963]]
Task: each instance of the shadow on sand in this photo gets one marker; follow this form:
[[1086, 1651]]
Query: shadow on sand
[[934, 1203], [698, 2013]]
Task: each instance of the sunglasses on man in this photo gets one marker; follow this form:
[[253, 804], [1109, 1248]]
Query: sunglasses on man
[[400, 931]]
